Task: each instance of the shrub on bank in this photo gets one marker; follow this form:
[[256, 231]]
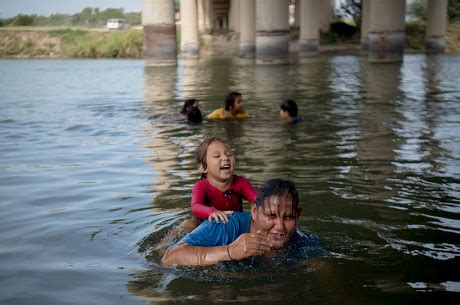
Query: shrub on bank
[[86, 44], [415, 35], [71, 43]]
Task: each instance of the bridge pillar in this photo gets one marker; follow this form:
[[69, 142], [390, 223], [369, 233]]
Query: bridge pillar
[[327, 12], [365, 14], [386, 30], [435, 35], [159, 32], [201, 15], [272, 31], [309, 27], [247, 15], [297, 13], [189, 29], [233, 18]]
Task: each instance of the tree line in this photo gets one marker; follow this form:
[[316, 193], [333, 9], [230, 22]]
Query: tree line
[[416, 10], [88, 17]]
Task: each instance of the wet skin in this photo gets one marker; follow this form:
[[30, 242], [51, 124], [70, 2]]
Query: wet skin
[[276, 220], [272, 225], [220, 165], [238, 105]]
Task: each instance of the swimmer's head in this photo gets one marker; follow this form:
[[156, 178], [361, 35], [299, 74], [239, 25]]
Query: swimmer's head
[[279, 188], [194, 115], [201, 153], [188, 104], [234, 101], [276, 211], [289, 107]]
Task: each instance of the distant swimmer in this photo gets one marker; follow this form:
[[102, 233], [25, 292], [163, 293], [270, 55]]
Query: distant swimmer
[[233, 109], [289, 111], [191, 111]]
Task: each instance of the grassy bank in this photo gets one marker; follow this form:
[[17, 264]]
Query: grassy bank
[[70, 43], [35, 42]]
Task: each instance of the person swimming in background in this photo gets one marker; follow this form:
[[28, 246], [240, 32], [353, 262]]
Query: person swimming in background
[[191, 111], [219, 191], [233, 109], [194, 115], [289, 111]]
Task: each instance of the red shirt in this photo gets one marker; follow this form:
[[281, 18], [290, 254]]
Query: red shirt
[[206, 198]]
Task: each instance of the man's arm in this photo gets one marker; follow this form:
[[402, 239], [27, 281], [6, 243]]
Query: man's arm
[[247, 244]]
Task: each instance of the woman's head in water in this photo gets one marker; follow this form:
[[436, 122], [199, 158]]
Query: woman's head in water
[[276, 211]]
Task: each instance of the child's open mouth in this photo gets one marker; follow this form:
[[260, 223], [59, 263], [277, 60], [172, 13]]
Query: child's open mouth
[[225, 167]]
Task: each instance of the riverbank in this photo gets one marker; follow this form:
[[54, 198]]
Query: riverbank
[[60, 42]]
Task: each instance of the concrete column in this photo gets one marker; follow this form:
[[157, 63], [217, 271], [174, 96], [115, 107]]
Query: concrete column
[[189, 29], [247, 16], [365, 14], [327, 12], [309, 27], [209, 14], [436, 19], [234, 19], [159, 32], [201, 15], [297, 13], [386, 30], [272, 31]]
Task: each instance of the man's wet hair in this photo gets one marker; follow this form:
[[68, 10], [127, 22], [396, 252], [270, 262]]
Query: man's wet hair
[[230, 100], [290, 106], [278, 188]]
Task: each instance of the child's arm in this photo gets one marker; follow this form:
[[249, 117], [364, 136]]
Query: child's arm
[[248, 191], [199, 209]]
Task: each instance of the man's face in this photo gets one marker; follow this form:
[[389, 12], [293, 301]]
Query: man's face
[[238, 105], [276, 219]]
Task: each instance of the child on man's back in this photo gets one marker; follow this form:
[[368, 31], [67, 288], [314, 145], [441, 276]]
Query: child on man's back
[[219, 191]]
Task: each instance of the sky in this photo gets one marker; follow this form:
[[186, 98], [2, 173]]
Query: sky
[[11, 8]]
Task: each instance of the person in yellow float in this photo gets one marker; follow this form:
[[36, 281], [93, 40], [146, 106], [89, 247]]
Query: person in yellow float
[[233, 108]]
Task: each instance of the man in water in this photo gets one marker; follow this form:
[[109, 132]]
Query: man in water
[[268, 229]]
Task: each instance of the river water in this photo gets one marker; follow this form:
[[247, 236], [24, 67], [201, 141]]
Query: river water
[[94, 171]]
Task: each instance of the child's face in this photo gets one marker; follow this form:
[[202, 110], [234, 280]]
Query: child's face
[[284, 115], [238, 105], [221, 162]]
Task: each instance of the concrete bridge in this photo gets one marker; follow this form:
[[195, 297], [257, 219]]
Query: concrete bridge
[[263, 27]]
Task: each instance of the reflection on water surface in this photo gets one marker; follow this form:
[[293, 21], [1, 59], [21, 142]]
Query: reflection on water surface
[[94, 172]]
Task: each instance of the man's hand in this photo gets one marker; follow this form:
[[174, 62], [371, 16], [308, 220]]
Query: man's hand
[[249, 244], [220, 215]]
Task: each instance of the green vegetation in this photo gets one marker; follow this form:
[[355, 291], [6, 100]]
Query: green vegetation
[[415, 35], [417, 9], [88, 17], [71, 43], [21, 37], [117, 44]]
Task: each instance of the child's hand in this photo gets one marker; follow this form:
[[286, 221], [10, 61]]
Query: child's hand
[[219, 214]]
